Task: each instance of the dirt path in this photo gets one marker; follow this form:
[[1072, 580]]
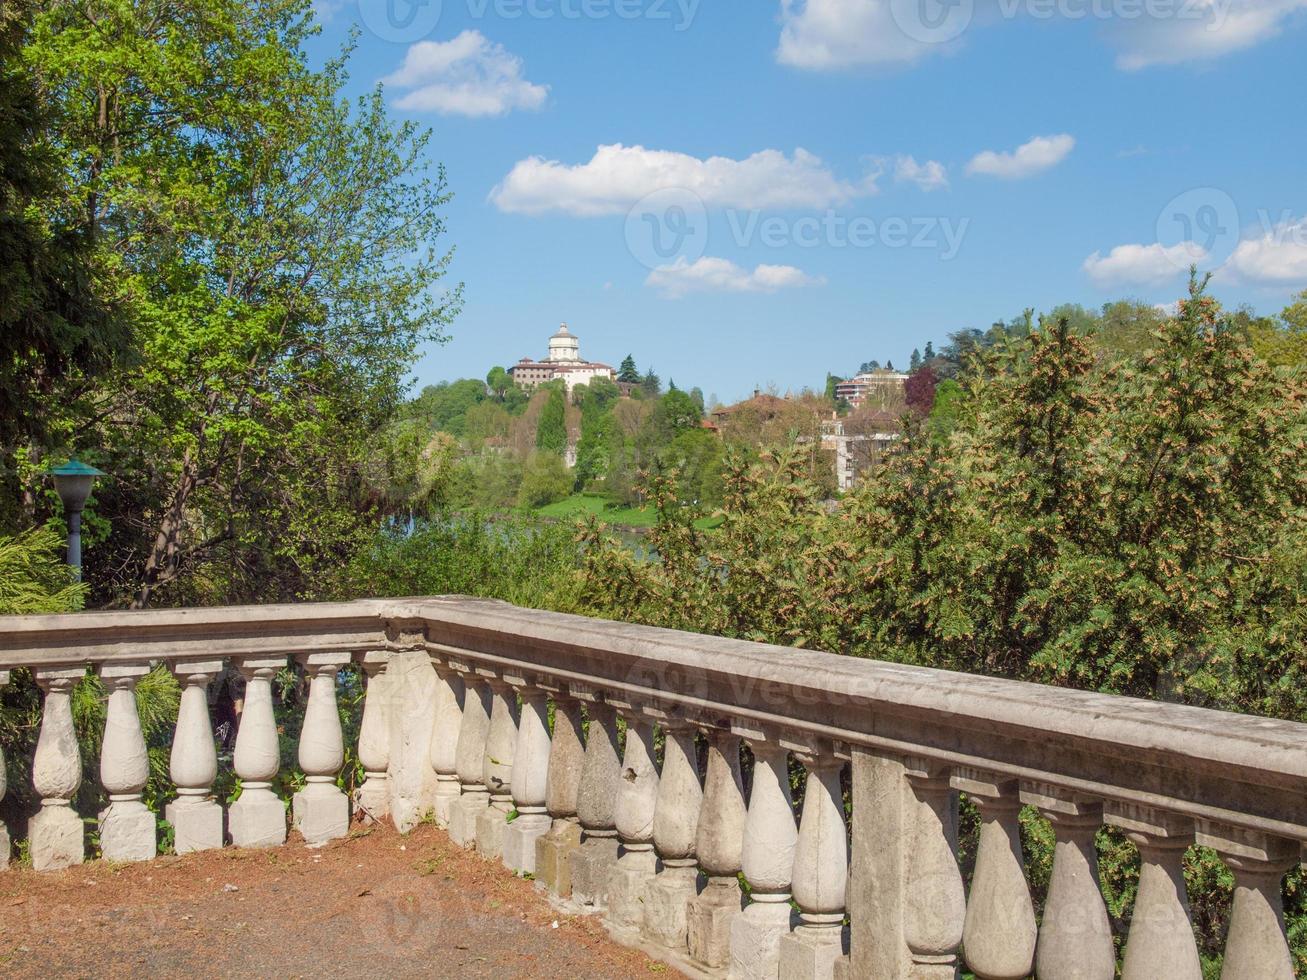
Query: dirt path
[[376, 904]]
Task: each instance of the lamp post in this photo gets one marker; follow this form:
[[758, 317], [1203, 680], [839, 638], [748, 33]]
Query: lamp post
[[72, 482]]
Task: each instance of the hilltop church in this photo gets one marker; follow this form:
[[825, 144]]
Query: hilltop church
[[563, 361]]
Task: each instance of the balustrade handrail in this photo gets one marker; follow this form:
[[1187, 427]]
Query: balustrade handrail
[[1244, 771]]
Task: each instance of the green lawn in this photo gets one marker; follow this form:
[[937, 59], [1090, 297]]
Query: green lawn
[[581, 505]]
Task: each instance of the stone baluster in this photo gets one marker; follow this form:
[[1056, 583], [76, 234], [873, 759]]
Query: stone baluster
[[258, 818], [1075, 936], [821, 870], [998, 936], [5, 843], [676, 825], [1161, 938], [596, 805], [470, 756], [127, 827], [321, 808], [501, 744], [719, 844], [530, 780], [1256, 947], [55, 834], [196, 817], [566, 759], [935, 903], [770, 838], [636, 802], [444, 741], [372, 799]]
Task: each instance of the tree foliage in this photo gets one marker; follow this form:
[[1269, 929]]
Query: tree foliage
[[551, 431], [274, 248]]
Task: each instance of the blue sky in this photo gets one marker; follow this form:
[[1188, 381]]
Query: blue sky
[[832, 181]]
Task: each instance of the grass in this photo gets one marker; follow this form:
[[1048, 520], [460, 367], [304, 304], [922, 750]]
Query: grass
[[582, 505]]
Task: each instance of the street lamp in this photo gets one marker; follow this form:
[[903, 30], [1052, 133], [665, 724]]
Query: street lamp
[[72, 482]]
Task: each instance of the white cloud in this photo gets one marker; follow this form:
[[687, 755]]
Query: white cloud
[[1276, 257], [1198, 30], [467, 76], [929, 176], [829, 35], [712, 275], [1026, 160], [1143, 265], [833, 34], [618, 176]]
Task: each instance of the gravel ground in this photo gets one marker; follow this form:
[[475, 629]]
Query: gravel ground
[[374, 905]]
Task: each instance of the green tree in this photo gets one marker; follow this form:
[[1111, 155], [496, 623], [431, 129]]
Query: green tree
[[444, 407], [499, 381], [1283, 342], [545, 480], [676, 412], [627, 373], [650, 384], [59, 327], [551, 431], [277, 245]]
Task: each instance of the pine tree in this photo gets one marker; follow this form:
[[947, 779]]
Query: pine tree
[[929, 355], [628, 373], [914, 362], [551, 433]]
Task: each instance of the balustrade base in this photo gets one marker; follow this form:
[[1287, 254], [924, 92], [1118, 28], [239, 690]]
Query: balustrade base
[[520, 836], [257, 820], [5, 846], [321, 813], [463, 817], [755, 939], [554, 857], [665, 901], [592, 869], [632, 875], [492, 824], [56, 838], [708, 922], [195, 826], [811, 953], [372, 799], [447, 793], [843, 969], [128, 832]]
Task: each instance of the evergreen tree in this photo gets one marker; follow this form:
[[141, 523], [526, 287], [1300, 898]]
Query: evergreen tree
[[651, 385], [831, 382], [915, 361], [55, 324], [929, 354], [627, 373], [551, 432]]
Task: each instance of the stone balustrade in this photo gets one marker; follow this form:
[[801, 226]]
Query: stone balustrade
[[651, 777]]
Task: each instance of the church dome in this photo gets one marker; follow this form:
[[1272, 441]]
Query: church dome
[[564, 346]]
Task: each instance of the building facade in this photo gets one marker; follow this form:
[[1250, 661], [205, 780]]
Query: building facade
[[882, 389], [563, 361]]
